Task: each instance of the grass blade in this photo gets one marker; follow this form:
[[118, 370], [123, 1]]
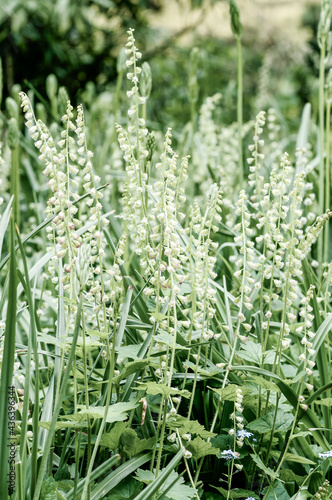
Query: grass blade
[[7, 366]]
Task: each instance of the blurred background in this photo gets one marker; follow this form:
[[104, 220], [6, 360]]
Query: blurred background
[[79, 41]]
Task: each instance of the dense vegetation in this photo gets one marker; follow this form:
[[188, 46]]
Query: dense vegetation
[[165, 331]]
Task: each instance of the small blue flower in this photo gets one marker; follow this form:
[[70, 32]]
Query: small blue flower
[[326, 454], [250, 498], [229, 454], [244, 434]]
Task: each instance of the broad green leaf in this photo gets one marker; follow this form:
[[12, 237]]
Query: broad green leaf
[[153, 388], [265, 384], [48, 489], [115, 413], [208, 372], [288, 476], [201, 448], [144, 476], [145, 444], [158, 316], [97, 333], [167, 339], [128, 351], [229, 392], [250, 351], [128, 489], [111, 439], [277, 491], [264, 424], [128, 441], [133, 367], [263, 467], [186, 426], [325, 402]]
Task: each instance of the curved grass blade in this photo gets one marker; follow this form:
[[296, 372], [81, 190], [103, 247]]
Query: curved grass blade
[[98, 472], [4, 221], [118, 475], [32, 345], [58, 404], [7, 366]]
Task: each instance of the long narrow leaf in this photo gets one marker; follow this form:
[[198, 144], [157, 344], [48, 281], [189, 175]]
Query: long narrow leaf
[[7, 367], [153, 487]]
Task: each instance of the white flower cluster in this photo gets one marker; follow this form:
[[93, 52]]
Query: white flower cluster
[[255, 179], [62, 231], [200, 248], [305, 329], [206, 142], [245, 262], [238, 425]]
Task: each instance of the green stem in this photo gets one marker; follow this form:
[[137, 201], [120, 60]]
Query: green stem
[[240, 104], [327, 178], [321, 141]]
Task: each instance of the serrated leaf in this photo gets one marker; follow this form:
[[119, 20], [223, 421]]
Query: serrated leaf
[[158, 316], [97, 333], [276, 491], [145, 444], [48, 489], [178, 491], [144, 476], [133, 367], [324, 402], [263, 467], [167, 339], [128, 441], [209, 371], [283, 422], [201, 448], [265, 384], [128, 489], [115, 412], [128, 351], [111, 439], [186, 426], [229, 392], [288, 476], [153, 388], [250, 351]]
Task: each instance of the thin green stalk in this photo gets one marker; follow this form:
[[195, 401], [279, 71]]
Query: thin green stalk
[[58, 404], [240, 104], [321, 141], [327, 178], [7, 366]]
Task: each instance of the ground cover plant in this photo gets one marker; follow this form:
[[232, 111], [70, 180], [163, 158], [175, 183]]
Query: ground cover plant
[[166, 329]]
